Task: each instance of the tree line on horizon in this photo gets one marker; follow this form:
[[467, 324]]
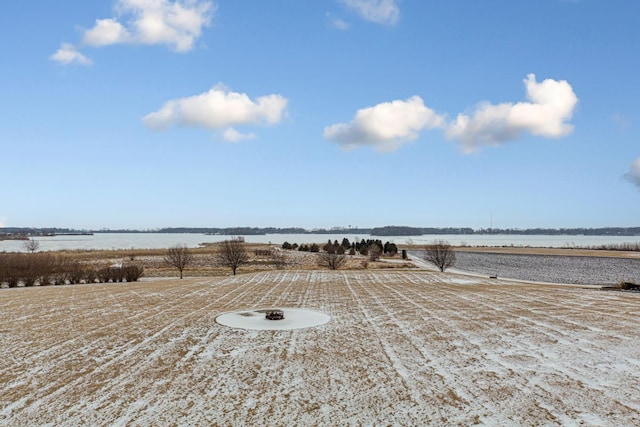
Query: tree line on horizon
[[390, 230]]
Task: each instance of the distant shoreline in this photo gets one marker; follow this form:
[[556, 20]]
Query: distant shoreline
[[385, 231]]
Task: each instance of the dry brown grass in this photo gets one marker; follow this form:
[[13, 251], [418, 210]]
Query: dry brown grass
[[153, 263], [402, 348], [154, 266]]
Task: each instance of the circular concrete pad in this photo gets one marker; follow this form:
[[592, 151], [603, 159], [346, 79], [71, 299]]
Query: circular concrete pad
[[294, 318]]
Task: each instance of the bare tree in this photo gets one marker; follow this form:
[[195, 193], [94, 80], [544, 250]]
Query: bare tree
[[440, 254], [179, 257], [232, 254], [31, 245], [332, 260]]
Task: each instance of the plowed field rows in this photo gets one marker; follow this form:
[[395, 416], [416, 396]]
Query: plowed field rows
[[588, 270], [401, 348]]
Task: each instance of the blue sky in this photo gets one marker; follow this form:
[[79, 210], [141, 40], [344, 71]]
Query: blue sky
[[158, 113]]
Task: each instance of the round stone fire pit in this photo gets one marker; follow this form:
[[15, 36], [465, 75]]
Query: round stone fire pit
[[274, 315], [273, 319]]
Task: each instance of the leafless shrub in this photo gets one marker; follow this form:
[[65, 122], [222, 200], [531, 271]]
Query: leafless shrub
[[232, 254], [440, 254], [49, 266], [9, 273], [61, 273], [91, 274], [76, 272], [110, 273], [42, 267], [331, 260], [46, 269], [104, 274], [29, 269], [31, 245], [117, 274], [179, 257], [4, 269], [132, 272]]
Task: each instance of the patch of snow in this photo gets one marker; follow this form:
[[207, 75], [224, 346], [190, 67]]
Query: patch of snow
[[295, 318], [458, 281]]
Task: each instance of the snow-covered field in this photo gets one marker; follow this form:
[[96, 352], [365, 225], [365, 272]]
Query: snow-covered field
[[402, 347], [584, 270]]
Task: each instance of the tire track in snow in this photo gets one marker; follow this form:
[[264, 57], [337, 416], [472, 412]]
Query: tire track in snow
[[28, 358], [388, 348], [53, 390], [527, 324]]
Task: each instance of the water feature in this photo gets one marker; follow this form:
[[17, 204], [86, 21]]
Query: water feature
[[102, 241]]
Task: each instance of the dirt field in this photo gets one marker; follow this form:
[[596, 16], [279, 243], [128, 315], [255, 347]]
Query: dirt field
[[578, 270], [402, 347], [546, 251]]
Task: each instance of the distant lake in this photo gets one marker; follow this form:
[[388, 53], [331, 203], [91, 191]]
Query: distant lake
[[165, 240]]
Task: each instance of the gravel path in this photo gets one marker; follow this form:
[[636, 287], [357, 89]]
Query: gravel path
[[547, 268]]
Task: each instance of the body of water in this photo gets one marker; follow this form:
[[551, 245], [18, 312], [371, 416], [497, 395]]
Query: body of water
[[165, 240]]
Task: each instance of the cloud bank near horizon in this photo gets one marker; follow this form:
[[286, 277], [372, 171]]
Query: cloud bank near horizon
[[177, 24], [219, 109], [550, 105]]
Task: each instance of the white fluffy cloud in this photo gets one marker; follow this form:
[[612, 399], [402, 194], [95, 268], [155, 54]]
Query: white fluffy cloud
[[379, 11], [68, 54], [551, 105], [219, 108], [385, 126], [633, 175], [106, 32], [176, 23]]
